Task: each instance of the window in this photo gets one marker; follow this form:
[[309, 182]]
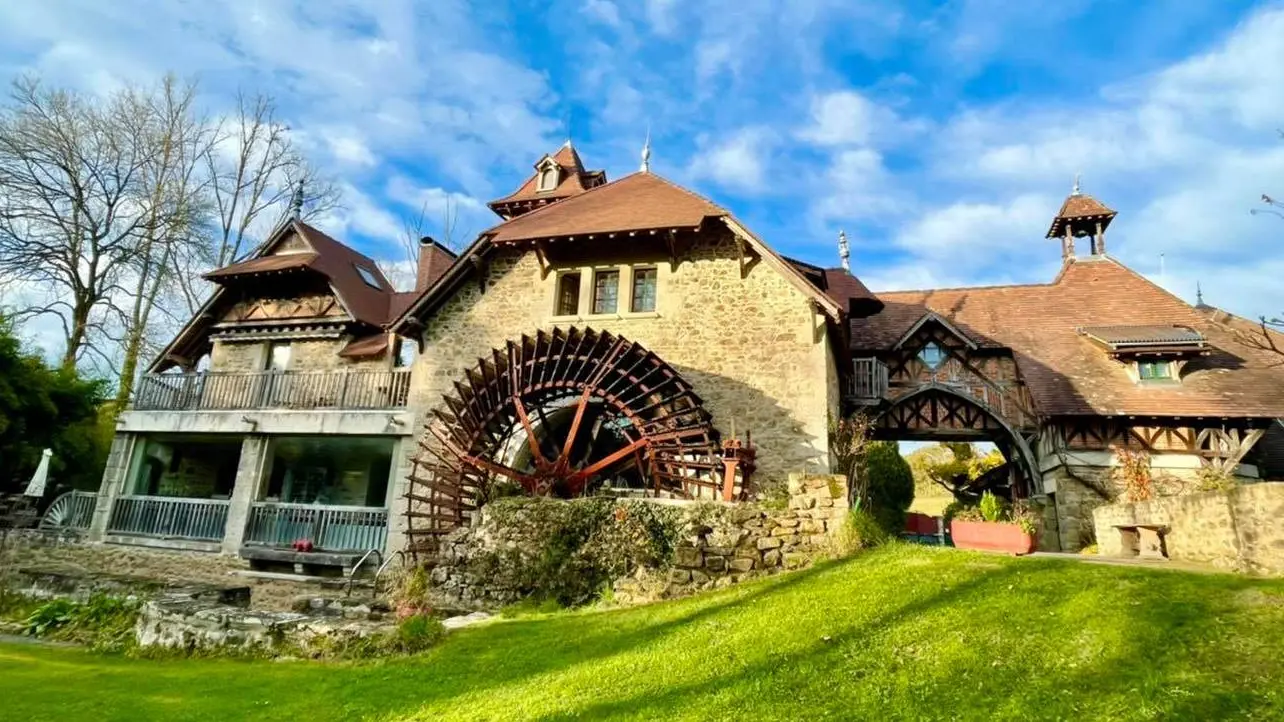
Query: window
[[278, 358], [606, 291], [568, 294], [342, 471], [1152, 370], [368, 276], [548, 178], [643, 290], [405, 357], [932, 355]]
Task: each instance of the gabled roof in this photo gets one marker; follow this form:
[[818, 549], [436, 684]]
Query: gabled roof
[[365, 303], [1068, 374], [639, 202], [574, 180]]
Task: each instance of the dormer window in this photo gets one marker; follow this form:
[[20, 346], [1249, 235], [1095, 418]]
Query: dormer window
[[549, 175], [1155, 370], [932, 356]]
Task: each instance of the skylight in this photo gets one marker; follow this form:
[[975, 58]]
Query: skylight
[[368, 276]]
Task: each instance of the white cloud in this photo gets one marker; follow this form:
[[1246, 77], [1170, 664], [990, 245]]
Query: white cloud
[[846, 117], [737, 162], [603, 11]]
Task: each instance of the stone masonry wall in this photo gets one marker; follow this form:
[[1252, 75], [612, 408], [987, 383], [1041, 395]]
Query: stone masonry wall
[[719, 545], [305, 355], [753, 348], [1237, 529]]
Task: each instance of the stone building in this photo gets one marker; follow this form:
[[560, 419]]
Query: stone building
[[633, 337]]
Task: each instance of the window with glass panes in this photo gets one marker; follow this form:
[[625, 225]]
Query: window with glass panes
[[643, 290], [606, 291], [1154, 370], [568, 294]]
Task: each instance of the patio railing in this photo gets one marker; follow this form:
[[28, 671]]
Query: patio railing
[[328, 528], [169, 517], [273, 390], [72, 510]]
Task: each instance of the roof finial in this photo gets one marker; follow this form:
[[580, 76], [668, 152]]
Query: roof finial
[[1075, 192], [843, 251], [296, 204], [646, 152], [1199, 294]]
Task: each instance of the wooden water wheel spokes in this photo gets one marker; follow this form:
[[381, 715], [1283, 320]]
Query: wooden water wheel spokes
[[561, 413]]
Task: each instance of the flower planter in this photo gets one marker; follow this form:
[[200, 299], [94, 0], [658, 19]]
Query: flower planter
[[991, 536]]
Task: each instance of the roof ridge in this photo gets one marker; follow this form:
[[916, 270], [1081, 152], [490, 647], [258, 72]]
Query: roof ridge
[[994, 287], [684, 189]]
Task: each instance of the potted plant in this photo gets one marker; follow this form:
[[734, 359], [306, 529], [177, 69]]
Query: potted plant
[[994, 526]]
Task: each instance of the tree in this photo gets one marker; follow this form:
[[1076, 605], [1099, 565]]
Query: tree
[[965, 474], [254, 170], [890, 484], [176, 204], [44, 408], [71, 171], [848, 439]]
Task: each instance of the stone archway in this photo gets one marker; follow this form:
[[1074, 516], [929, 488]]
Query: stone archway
[[561, 414], [937, 411]]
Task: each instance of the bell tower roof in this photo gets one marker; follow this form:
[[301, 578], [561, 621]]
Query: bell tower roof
[[557, 176], [1080, 213]]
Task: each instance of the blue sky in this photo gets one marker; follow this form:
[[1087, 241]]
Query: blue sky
[[941, 136]]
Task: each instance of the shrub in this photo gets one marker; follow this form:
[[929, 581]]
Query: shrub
[[1210, 478], [103, 622], [991, 507], [861, 530], [416, 634], [568, 551], [890, 484]]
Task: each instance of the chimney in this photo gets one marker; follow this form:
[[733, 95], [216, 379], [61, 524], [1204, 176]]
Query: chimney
[[432, 264]]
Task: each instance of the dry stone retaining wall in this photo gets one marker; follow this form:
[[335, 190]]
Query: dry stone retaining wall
[[1236, 529], [718, 545]]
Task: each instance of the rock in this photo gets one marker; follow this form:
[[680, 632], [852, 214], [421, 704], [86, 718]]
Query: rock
[[715, 563], [698, 577], [771, 558], [796, 560], [741, 564], [784, 531], [466, 620], [811, 526], [717, 552], [679, 576], [769, 543], [788, 523], [689, 557]]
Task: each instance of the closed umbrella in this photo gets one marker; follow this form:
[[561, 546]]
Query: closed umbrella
[[37, 486]]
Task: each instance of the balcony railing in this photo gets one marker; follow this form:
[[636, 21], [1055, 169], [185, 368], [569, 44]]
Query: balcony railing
[[218, 390], [169, 517], [328, 528], [868, 381]]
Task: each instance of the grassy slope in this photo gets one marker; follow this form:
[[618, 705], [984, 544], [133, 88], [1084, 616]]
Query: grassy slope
[[901, 633]]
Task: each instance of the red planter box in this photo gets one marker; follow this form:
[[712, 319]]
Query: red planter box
[[991, 536]]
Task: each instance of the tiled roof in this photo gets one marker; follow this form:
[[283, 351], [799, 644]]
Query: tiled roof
[[1067, 374], [575, 180], [339, 263], [1077, 206], [373, 345], [641, 201], [263, 264]]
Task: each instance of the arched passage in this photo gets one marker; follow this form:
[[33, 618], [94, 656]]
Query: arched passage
[[935, 411], [561, 414]]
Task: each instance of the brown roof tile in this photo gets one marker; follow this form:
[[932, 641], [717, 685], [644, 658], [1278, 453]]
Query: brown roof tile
[[1066, 373], [575, 180], [641, 201], [1076, 206], [263, 264], [339, 263]]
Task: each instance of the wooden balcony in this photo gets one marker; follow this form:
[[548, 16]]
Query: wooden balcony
[[868, 382], [223, 391]]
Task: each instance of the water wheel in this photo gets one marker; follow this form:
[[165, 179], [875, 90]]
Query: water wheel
[[561, 414]]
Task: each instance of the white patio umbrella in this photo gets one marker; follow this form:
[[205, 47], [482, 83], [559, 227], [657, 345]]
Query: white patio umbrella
[[36, 487]]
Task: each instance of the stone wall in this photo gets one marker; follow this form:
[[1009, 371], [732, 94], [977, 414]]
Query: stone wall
[[718, 545], [68, 554], [1242, 528], [237, 357], [752, 347], [311, 354]]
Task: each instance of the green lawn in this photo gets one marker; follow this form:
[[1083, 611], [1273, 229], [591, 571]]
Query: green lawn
[[900, 633]]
